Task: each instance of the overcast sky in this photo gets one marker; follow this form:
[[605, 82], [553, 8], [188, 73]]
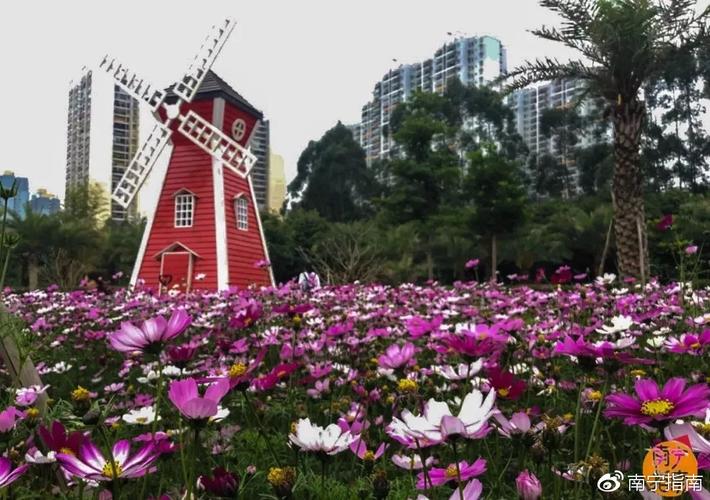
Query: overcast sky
[[306, 63]]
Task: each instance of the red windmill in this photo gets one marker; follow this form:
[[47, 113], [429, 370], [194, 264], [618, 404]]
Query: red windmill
[[205, 231]]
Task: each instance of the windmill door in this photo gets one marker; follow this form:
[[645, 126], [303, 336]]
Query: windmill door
[[176, 271]]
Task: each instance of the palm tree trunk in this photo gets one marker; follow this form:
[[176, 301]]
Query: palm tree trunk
[[32, 273], [494, 259], [629, 213]]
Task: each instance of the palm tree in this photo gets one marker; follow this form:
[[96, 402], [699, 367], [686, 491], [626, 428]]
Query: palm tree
[[623, 44]]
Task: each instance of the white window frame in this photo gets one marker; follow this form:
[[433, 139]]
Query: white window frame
[[241, 212], [184, 209]]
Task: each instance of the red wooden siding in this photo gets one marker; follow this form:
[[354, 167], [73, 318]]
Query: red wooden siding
[[189, 168], [244, 248]]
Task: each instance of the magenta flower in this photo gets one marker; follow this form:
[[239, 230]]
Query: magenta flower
[[9, 417], [652, 404], [439, 476], [151, 335], [221, 484], [418, 327], [7, 474], [359, 448], [472, 263], [689, 343], [186, 398], [396, 356], [57, 439], [91, 464], [665, 223], [26, 396], [528, 486], [691, 249]]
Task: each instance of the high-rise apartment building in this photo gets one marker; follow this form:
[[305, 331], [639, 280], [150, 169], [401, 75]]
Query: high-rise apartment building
[[17, 204], [102, 136], [473, 60], [260, 171], [45, 203], [529, 104], [277, 182]]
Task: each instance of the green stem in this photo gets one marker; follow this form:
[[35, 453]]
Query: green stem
[[596, 420], [193, 461], [458, 469], [260, 428], [426, 472], [576, 422]]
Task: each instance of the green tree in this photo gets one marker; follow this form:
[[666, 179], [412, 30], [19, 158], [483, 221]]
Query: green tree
[[332, 177], [426, 178], [625, 44], [494, 185]]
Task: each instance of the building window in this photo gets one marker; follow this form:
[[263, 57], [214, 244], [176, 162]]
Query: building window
[[241, 210], [184, 209]]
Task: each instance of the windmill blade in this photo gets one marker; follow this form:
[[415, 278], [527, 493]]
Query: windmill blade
[[191, 81], [136, 87], [213, 141], [141, 165]]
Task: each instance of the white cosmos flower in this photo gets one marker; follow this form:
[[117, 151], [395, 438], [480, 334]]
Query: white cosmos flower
[[221, 414], [462, 371], [607, 279], [310, 437], [34, 456], [140, 416], [437, 422], [618, 324]]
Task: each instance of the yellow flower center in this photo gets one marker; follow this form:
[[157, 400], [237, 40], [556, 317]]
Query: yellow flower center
[[66, 451], [141, 420], [247, 322], [504, 392], [32, 413], [112, 469], [80, 394], [451, 471], [279, 477], [595, 396], [293, 427], [657, 407], [369, 456], [297, 321], [407, 385], [237, 370], [696, 346], [638, 373], [568, 417]]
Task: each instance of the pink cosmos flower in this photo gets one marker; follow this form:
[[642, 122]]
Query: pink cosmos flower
[[151, 335], [518, 424], [528, 486], [186, 398], [689, 343], [7, 474], [91, 464], [439, 476], [653, 404], [691, 249], [359, 448], [396, 356], [418, 327], [26, 396], [472, 263], [9, 417]]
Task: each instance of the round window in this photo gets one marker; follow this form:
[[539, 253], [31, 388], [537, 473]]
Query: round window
[[239, 128]]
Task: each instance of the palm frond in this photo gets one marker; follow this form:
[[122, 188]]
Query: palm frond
[[547, 69], [577, 41]]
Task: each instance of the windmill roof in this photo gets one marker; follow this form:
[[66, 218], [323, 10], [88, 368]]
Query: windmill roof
[[214, 86]]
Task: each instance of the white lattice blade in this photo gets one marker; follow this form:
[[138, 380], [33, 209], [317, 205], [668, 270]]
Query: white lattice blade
[[136, 87], [213, 141], [187, 86], [137, 171]]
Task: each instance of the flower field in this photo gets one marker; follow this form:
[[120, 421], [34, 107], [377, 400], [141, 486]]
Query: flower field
[[355, 392]]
